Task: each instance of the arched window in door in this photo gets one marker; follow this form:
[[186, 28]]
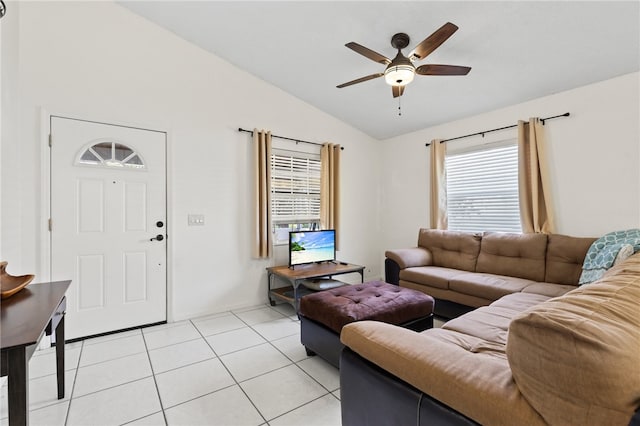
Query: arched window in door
[[110, 154]]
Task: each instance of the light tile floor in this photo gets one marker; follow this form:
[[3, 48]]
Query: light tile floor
[[244, 367]]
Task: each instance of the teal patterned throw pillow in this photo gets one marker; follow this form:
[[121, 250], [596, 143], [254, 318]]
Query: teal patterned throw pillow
[[604, 252]]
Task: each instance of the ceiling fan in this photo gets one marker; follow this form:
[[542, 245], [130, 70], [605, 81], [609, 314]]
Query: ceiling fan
[[400, 71]]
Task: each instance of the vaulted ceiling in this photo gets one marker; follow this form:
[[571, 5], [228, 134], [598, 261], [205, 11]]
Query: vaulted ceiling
[[517, 50]]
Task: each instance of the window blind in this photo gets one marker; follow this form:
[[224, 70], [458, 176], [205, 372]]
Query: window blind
[[482, 190], [295, 188]]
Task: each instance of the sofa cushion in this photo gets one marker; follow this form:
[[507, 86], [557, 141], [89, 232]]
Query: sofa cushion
[[491, 323], [520, 301], [432, 276], [548, 289], [451, 249], [565, 256], [514, 255], [576, 358], [448, 295], [488, 286]]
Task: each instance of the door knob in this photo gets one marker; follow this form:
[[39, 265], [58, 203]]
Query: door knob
[[158, 237]]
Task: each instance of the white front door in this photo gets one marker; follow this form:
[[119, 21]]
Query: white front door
[[108, 216]]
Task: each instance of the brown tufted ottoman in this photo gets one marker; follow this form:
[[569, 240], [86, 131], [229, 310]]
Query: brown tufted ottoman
[[323, 314]]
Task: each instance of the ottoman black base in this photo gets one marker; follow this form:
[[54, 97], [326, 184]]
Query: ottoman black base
[[324, 342]]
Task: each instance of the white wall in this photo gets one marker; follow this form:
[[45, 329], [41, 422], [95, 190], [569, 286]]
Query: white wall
[[97, 60], [10, 155], [593, 154]]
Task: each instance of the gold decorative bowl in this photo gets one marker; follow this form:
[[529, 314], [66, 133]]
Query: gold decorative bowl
[[10, 284]]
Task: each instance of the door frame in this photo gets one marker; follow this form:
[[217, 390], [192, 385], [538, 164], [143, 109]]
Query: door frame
[[46, 116]]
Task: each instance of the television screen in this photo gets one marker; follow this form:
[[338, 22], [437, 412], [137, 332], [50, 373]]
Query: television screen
[[311, 246]]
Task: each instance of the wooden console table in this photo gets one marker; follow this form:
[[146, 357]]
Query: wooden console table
[[297, 274], [25, 318]]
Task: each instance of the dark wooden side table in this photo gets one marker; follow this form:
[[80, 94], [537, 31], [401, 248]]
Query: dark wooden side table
[[25, 318]]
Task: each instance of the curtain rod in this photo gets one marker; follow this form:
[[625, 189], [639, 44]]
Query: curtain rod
[[240, 129], [566, 114]]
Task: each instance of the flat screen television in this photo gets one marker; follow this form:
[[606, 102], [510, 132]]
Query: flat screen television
[[312, 246]]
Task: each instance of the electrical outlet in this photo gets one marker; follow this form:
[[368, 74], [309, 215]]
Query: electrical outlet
[[195, 220]]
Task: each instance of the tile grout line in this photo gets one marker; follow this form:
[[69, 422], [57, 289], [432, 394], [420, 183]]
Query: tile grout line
[[172, 344], [271, 340], [73, 388], [111, 359], [44, 376], [229, 372], [107, 388], [155, 382], [248, 324], [91, 341], [216, 356], [198, 397], [133, 380], [301, 405], [313, 378], [329, 392], [302, 369], [104, 362]]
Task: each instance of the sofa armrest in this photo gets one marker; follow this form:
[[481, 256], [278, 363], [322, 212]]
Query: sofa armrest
[[410, 257], [462, 372], [391, 271], [372, 396]]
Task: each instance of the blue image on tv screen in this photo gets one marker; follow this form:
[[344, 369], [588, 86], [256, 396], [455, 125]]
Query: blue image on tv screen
[[311, 246]]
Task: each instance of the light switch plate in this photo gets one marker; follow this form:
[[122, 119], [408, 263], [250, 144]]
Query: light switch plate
[[196, 220]]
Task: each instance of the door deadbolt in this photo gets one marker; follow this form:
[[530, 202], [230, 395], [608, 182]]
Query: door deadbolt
[[158, 237], [159, 224]]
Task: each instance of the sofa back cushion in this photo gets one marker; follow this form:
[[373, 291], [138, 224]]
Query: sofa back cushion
[[576, 358], [565, 256], [451, 249], [514, 255]]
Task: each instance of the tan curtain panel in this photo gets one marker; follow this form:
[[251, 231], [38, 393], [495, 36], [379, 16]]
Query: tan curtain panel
[[262, 194], [536, 210], [330, 188], [438, 199]]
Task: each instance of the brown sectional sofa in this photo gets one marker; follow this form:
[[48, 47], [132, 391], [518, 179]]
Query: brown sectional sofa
[[463, 271], [526, 359]]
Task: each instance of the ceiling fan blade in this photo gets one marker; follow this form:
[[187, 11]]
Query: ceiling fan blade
[[364, 51], [432, 42], [397, 91], [360, 80], [433, 69]]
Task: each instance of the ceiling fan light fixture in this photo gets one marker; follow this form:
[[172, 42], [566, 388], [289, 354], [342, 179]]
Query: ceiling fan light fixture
[[401, 71], [399, 75]]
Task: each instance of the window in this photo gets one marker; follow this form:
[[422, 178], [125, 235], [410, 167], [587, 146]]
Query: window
[[295, 193], [482, 189], [110, 154]]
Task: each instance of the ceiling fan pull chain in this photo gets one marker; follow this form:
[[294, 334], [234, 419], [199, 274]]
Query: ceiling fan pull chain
[[399, 106]]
